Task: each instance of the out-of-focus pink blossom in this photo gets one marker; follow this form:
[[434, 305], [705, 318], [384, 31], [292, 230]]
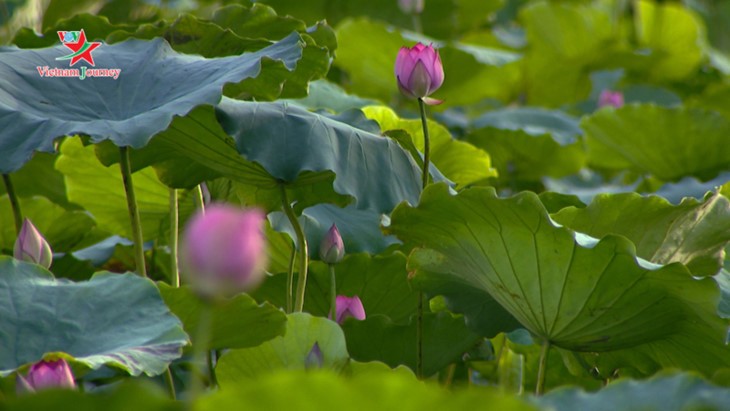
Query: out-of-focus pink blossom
[[223, 251], [46, 374], [611, 98]]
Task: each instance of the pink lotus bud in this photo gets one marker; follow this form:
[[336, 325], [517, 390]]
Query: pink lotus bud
[[224, 250], [411, 6], [419, 72], [349, 307], [331, 249], [611, 98], [32, 247], [314, 359], [46, 374]]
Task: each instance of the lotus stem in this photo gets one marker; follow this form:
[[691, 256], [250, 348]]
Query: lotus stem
[[290, 281], [14, 204], [170, 384], [174, 216], [426, 164], [200, 352], [333, 293], [198, 198], [126, 168], [542, 365], [303, 252]]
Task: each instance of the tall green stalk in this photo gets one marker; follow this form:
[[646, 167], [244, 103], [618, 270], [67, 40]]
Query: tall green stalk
[[198, 198], [174, 216], [542, 366], [333, 293], [200, 353], [424, 176], [14, 204], [290, 281], [126, 168], [303, 251]]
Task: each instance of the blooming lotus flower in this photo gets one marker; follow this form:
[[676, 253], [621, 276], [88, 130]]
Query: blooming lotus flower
[[611, 98], [224, 250], [349, 307], [331, 249], [419, 72], [315, 358], [32, 247], [46, 374], [411, 6]]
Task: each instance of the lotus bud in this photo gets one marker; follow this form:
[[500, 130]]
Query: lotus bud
[[611, 98], [332, 249], [32, 247], [419, 72], [314, 359], [411, 6], [223, 251], [349, 307], [46, 374]]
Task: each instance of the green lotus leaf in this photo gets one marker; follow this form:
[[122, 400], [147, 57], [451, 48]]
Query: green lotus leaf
[[669, 391], [286, 352], [668, 143], [236, 323], [459, 161], [377, 338], [154, 85], [693, 233], [572, 290], [113, 319]]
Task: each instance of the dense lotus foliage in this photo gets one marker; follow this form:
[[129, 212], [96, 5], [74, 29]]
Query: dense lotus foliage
[[224, 205]]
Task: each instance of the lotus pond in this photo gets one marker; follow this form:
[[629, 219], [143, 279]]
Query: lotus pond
[[333, 204]]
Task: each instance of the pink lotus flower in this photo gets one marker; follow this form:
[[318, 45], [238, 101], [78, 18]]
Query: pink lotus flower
[[419, 72], [32, 247], [411, 6], [611, 98], [332, 249], [349, 307], [224, 250], [46, 374]]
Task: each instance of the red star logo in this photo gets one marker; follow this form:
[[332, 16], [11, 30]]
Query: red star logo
[[81, 49]]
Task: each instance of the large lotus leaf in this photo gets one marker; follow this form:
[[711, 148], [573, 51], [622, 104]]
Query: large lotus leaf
[[693, 233], [440, 18], [39, 177], [236, 323], [112, 319], [563, 128], [128, 395], [367, 52], [286, 352], [565, 41], [459, 161], [326, 95], [675, 35], [669, 143], [287, 140], [324, 390], [519, 156], [360, 229], [63, 229], [381, 283], [154, 85], [565, 287], [445, 339], [665, 392], [100, 191]]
